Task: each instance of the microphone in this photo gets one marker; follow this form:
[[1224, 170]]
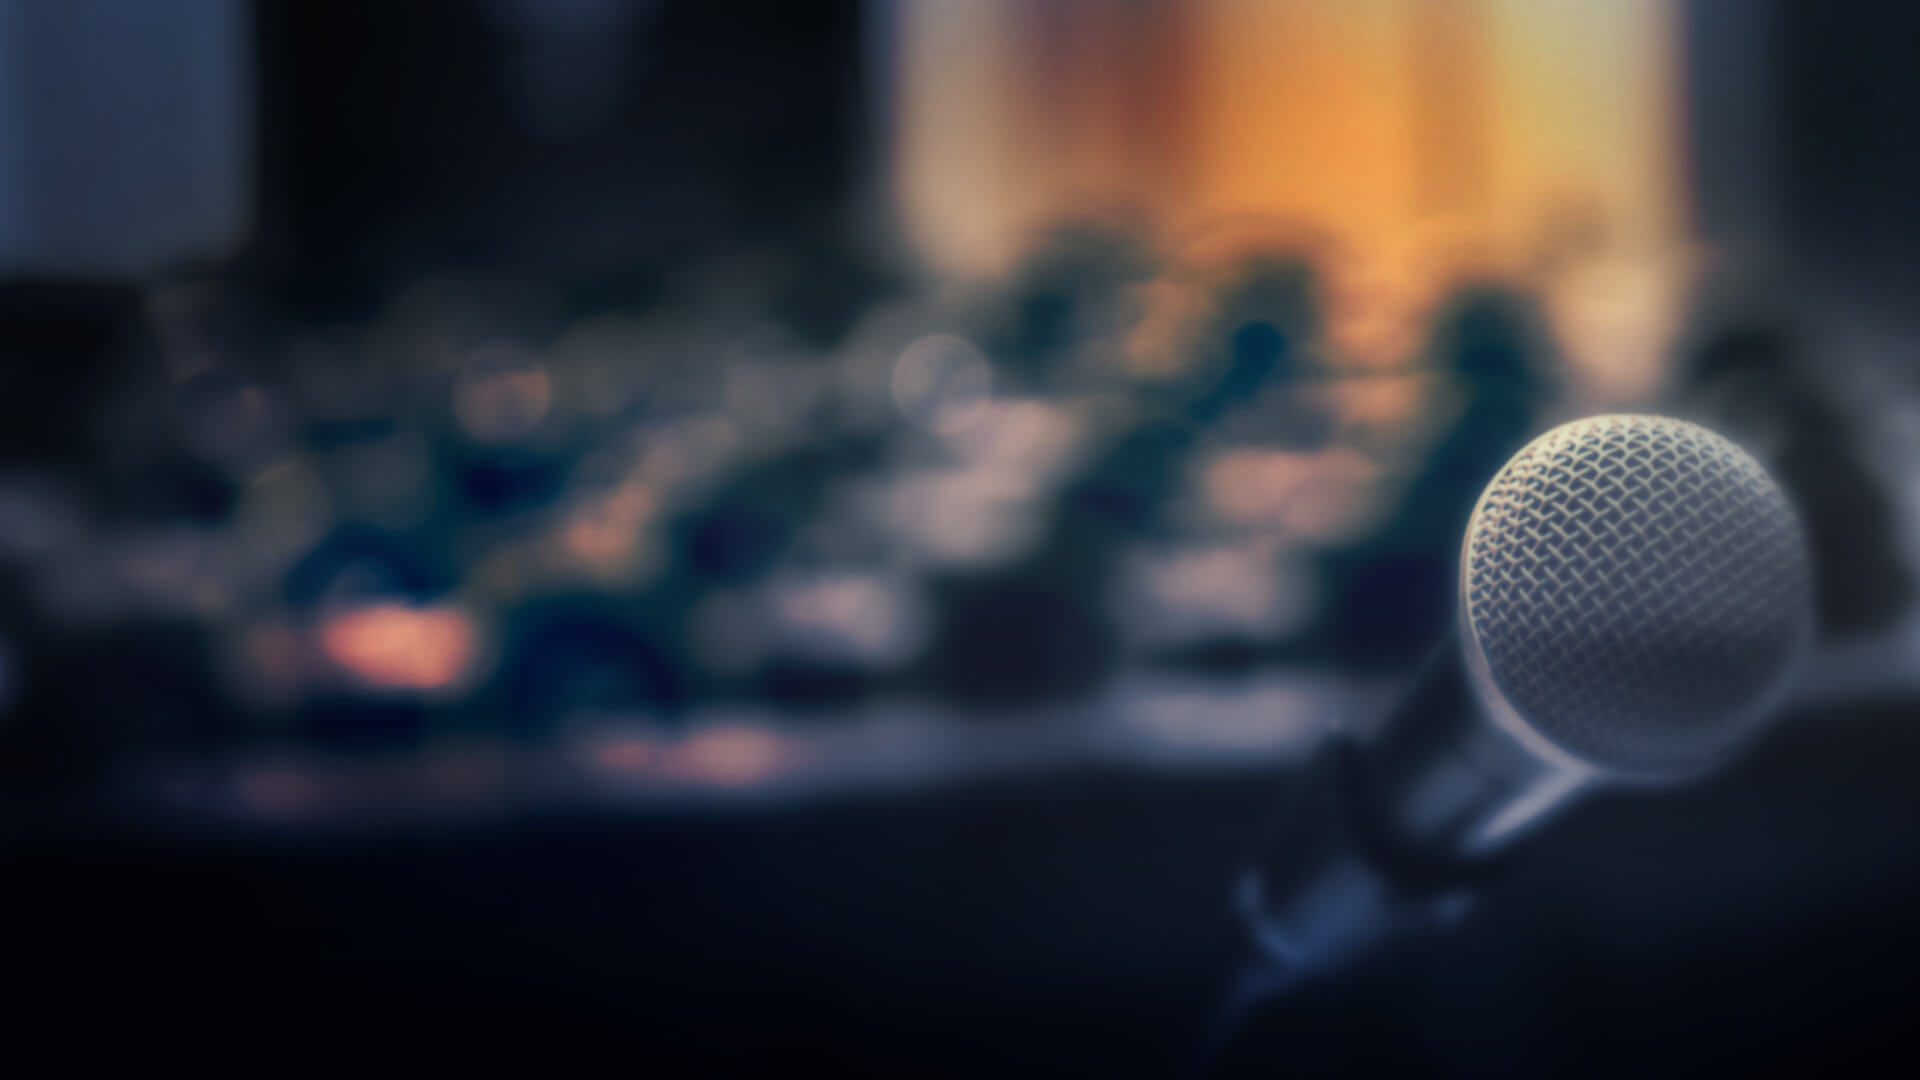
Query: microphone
[[1635, 595]]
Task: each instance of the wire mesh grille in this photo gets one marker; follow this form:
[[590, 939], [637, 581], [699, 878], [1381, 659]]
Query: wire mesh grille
[[1639, 588]]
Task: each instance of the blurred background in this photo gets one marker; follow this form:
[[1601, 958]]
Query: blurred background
[[744, 533]]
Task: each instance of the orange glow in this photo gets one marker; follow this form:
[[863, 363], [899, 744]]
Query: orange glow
[[605, 533], [734, 755], [1375, 408], [1421, 141], [1320, 497], [626, 754], [401, 648]]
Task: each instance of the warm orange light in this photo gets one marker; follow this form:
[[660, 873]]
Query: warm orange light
[[1319, 497], [627, 754], [605, 532], [1423, 141], [398, 647], [733, 755]]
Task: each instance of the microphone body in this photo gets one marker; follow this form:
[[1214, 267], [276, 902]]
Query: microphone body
[[1395, 834], [1634, 598]]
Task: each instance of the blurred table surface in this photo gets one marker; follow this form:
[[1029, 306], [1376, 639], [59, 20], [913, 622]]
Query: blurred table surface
[[1072, 921]]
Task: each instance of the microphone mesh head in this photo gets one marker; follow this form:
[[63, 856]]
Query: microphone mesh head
[[1638, 589]]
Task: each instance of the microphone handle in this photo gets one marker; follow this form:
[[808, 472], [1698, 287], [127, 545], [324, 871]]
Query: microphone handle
[[1444, 782], [1320, 900], [1335, 885], [1343, 876]]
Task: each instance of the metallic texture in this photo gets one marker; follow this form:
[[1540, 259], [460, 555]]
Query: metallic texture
[[1635, 593]]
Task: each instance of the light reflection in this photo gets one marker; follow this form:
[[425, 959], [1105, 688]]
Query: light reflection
[[1615, 318], [960, 517], [1318, 497], [1023, 436], [1381, 407], [720, 755], [849, 616], [1271, 715], [732, 755], [865, 362], [501, 395], [626, 753], [393, 646], [1249, 589], [1145, 722], [605, 534], [981, 505]]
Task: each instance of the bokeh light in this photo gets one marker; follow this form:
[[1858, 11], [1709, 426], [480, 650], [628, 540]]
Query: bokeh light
[[1151, 356], [396, 647], [501, 395], [942, 383]]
